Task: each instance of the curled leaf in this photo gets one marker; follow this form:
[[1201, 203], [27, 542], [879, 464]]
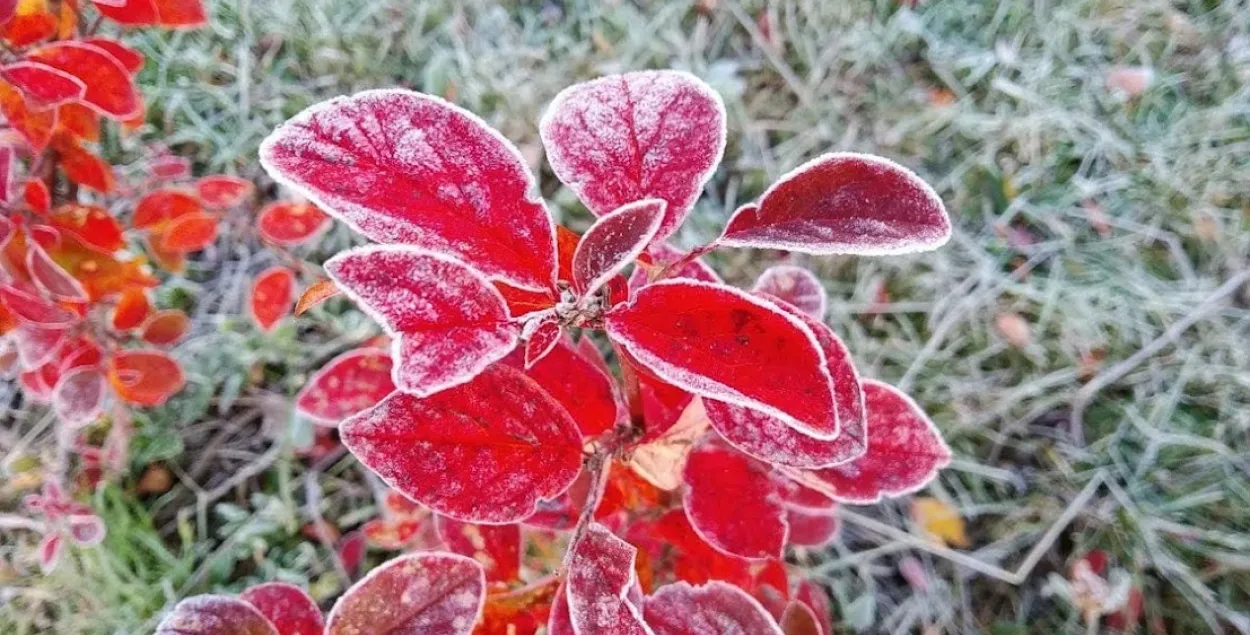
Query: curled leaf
[[795, 286], [715, 607], [215, 615]]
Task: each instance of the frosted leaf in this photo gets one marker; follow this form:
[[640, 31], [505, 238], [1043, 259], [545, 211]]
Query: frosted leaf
[[843, 203], [427, 593], [273, 292], [600, 575], [447, 320], [402, 167], [715, 608], [662, 460], [613, 242], [215, 615], [85, 530], [288, 223], [719, 342], [484, 451], [814, 597], [586, 390], [795, 286], [810, 515], [625, 138], [79, 396], [496, 547], [798, 619], [544, 336], [905, 452], [288, 607], [51, 546], [32, 309], [109, 88], [350, 383], [771, 439], [560, 622], [734, 502], [37, 345], [43, 85]]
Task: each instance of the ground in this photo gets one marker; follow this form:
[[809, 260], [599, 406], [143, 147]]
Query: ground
[[1081, 342]]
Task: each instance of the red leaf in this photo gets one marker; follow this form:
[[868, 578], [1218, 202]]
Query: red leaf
[[448, 320], [420, 594], [36, 194], [82, 166], [131, 59], [714, 608], [496, 547], [795, 286], [221, 191], [145, 377], [167, 167], [315, 294], [811, 515], [350, 551], [6, 175], [771, 440], [844, 203], [722, 343], [35, 126], [167, 13], [44, 86], [79, 121], [905, 452], [519, 612], [624, 138], [287, 223], [614, 241], [164, 327], [51, 279], [485, 451], [31, 309], [110, 89], [600, 574], [31, 22], [8, 8], [546, 333], [734, 502], [401, 167], [164, 205], [131, 309], [273, 291], [585, 390], [79, 396], [560, 622], [288, 607], [215, 615], [350, 383], [91, 224], [188, 233]]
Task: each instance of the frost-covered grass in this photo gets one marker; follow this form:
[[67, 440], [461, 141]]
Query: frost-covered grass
[[1082, 341]]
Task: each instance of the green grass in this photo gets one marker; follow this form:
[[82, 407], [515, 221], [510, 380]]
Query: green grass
[[1032, 142]]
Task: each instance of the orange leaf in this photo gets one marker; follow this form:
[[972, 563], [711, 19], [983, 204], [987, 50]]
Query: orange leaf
[[32, 22], [164, 205], [35, 126], [79, 121], [940, 521], [289, 223], [110, 89], [172, 261], [315, 294], [84, 167], [519, 611], [191, 232], [131, 309], [165, 327], [90, 223], [167, 13], [101, 274], [37, 197], [145, 377], [221, 191], [272, 294]]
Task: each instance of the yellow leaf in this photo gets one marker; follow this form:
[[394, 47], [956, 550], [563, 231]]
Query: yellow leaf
[[939, 521], [661, 462]]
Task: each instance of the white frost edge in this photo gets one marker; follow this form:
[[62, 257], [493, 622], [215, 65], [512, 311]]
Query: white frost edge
[[321, 373], [397, 336], [801, 272], [308, 114], [57, 396], [194, 602], [401, 560], [911, 247], [34, 249], [117, 65], [558, 166], [681, 377], [657, 220], [538, 356], [681, 586], [82, 86], [622, 595]]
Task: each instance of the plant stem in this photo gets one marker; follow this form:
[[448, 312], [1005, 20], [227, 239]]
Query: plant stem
[[10, 522], [672, 269], [599, 466]]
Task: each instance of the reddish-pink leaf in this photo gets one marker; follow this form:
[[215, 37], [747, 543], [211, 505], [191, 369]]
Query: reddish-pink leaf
[[54, 281], [798, 619], [110, 90], [905, 451], [601, 574], [770, 439], [79, 396], [722, 343], [288, 607], [402, 167], [164, 327], [624, 138], [544, 335], [810, 515], [188, 233], [586, 390], [420, 594], [85, 530], [614, 241], [167, 167], [131, 59], [715, 608], [222, 191], [167, 13], [50, 549], [496, 547], [734, 502], [164, 205], [813, 597], [288, 223], [31, 309], [844, 203], [273, 291], [351, 551], [484, 451], [6, 180], [560, 622], [449, 322], [795, 286], [36, 345], [350, 383], [43, 86], [8, 8], [215, 615]]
